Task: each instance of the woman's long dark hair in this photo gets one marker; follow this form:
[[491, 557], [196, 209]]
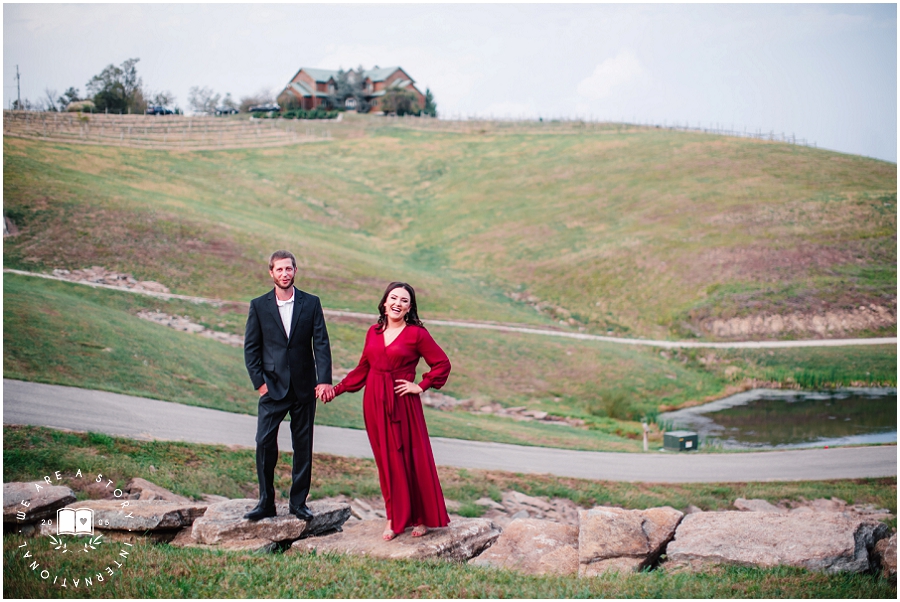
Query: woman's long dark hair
[[411, 317]]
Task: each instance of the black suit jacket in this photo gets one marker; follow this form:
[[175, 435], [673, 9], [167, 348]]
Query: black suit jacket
[[301, 361]]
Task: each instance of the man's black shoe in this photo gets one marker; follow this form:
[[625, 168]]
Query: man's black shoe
[[302, 513], [259, 513]]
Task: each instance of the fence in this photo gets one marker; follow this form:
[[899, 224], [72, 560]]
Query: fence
[[170, 132]]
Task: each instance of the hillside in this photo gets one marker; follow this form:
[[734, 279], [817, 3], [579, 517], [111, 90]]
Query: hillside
[[638, 232]]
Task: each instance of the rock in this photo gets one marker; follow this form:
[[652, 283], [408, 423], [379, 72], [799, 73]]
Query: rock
[[486, 501], [43, 500], [691, 509], [515, 498], [146, 515], [225, 522], [152, 491], [623, 540], [757, 506], [886, 555], [185, 539], [534, 547], [461, 540], [213, 499], [818, 541], [520, 515]]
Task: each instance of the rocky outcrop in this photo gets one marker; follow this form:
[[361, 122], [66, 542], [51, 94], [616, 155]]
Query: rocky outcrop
[[818, 541], [534, 547], [818, 505], [186, 325], [42, 499], [515, 505], [757, 506], [613, 539], [224, 525], [100, 275], [837, 321], [142, 489], [460, 541], [886, 554]]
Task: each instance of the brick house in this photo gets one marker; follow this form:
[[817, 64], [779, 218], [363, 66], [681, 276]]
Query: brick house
[[310, 88]]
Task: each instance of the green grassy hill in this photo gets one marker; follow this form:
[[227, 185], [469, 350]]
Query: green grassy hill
[[641, 232]]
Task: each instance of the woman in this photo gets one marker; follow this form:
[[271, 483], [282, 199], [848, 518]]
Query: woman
[[393, 411]]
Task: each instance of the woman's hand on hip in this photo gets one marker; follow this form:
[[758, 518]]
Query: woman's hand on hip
[[405, 387]]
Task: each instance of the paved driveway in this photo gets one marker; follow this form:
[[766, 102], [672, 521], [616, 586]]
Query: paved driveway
[[141, 418]]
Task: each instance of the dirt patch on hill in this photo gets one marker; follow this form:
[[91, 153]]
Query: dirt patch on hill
[[835, 322]]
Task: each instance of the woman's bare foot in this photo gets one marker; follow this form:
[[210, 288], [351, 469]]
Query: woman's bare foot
[[419, 530], [388, 533]]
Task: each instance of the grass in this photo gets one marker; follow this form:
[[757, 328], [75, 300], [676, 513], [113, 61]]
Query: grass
[[86, 337], [156, 571], [634, 231]]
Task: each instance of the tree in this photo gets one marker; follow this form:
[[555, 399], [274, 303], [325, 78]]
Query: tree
[[350, 84], [118, 89], [67, 98], [401, 102], [229, 102], [50, 101], [263, 97], [430, 105], [162, 99], [203, 100]]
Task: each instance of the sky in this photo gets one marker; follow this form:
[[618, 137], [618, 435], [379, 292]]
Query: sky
[[826, 73]]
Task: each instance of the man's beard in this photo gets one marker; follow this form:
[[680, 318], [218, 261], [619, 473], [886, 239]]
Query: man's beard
[[284, 288]]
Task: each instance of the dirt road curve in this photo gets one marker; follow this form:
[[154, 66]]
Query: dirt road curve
[[140, 418]]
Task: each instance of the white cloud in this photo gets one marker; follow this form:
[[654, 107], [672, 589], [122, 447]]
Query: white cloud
[[612, 73]]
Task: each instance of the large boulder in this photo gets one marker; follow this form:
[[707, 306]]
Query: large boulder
[[139, 515], [42, 499], [225, 522], [534, 547], [819, 541], [146, 490], [886, 555], [613, 539], [460, 541]]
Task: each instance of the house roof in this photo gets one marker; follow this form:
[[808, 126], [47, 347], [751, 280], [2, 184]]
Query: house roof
[[319, 75], [305, 90], [381, 74]]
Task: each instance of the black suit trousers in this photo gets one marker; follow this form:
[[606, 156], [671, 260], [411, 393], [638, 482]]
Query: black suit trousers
[[271, 413]]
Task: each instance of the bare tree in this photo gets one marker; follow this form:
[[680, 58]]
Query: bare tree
[[263, 97], [50, 101], [203, 100]]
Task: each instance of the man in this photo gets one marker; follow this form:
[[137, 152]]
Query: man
[[288, 357]]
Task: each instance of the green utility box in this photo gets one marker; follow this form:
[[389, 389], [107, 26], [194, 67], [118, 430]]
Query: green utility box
[[681, 441]]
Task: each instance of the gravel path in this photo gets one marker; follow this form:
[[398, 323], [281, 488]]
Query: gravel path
[[526, 329], [148, 419]]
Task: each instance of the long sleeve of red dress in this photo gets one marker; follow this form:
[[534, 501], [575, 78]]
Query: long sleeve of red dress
[[396, 426]]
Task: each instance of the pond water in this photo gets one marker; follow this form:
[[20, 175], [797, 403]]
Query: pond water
[[773, 418]]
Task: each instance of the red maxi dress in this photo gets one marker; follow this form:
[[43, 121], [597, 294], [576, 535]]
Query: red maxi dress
[[396, 425]]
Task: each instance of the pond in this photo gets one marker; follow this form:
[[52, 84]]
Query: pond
[[773, 418]]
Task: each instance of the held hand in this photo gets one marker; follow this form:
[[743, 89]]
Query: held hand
[[263, 389], [325, 392], [405, 387]]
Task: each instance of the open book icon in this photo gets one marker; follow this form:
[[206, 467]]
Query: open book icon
[[71, 521]]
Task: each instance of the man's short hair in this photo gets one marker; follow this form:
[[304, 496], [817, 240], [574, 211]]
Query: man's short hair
[[282, 255]]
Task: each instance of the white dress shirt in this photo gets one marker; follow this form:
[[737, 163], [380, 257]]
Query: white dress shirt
[[286, 309]]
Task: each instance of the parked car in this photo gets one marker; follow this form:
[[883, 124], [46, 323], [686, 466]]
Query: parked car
[[159, 110], [269, 108], [226, 111]]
